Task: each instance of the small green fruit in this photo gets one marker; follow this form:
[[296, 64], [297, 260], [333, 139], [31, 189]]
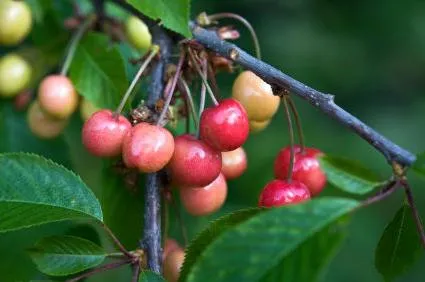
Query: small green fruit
[[15, 22], [15, 75], [138, 33]]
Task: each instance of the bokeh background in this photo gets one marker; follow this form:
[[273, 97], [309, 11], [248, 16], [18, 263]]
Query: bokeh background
[[369, 54]]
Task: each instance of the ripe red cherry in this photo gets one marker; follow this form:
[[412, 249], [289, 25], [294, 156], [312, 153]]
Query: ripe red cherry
[[279, 193], [224, 127], [234, 163], [306, 168], [205, 200], [147, 147], [194, 163], [57, 96], [103, 133]]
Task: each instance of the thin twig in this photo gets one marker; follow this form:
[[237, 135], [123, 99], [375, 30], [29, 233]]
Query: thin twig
[[414, 209], [388, 189], [99, 269], [136, 272]]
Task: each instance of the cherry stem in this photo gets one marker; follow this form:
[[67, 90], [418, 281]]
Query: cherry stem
[[99, 269], [170, 93], [291, 137], [189, 98], [153, 52], [246, 23], [298, 124], [415, 213], [386, 191], [203, 76], [117, 242], [136, 272], [72, 47]]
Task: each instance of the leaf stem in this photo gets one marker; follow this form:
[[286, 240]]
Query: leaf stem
[[72, 47], [153, 52], [136, 272], [99, 269], [291, 137], [298, 124], [170, 94], [386, 191], [117, 242]]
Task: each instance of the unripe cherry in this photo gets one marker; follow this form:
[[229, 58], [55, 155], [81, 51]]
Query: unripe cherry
[[87, 109], [306, 168], [147, 147], [103, 133], [138, 33], [224, 127], [234, 163], [204, 200], [15, 22], [172, 265], [194, 163], [258, 126], [57, 96], [42, 125], [256, 96], [15, 75], [281, 192], [169, 246]]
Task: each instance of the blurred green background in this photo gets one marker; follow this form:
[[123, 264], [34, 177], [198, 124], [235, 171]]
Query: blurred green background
[[369, 54]]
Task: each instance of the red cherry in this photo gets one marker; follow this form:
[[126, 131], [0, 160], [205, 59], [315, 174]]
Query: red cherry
[[194, 163], [224, 127], [234, 163], [103, 133], [204, 200], [147, 147], [306, 168], [279, 193]]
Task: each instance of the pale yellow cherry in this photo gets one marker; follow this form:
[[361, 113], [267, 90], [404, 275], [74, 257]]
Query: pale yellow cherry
[[257, 126], [15, 22], [42, 125]]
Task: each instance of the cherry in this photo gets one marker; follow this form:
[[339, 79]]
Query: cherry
[[43, 125], [87, 109], [306, 168], [15, 75], [194, 163], [257, 126], [281, 192], [204, 200], [15, 22], [103, 133], [147, 147], [233, 163], [138, 33], [57, 96], [256, 96], [169, 246], [224, 127], [172, 265]]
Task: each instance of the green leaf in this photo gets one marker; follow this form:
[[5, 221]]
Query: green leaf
[[208, 235], [34, 190], [308, 261], [149, 276], [98, 71], [419, 165], [399, 247], [249, 250], [65, 255], [349, 176], [173, 14]]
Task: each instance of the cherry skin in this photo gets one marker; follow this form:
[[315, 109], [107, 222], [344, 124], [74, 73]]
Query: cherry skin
[[87, 109], [103, 133], [258, 126], [57, 96], [42, 125], [147, 147], [234, 163], [194, 163], [306, 168], [15, 22], [281, 192], [224, 127], [256, 96], [138, 33], [172, 265], [204, 200], [169, 246], [15, 75]]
